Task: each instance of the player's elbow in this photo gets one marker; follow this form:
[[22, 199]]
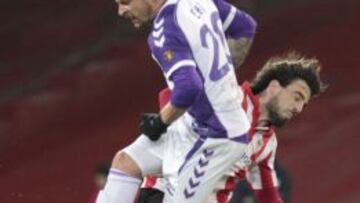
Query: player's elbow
[[185, 95], [194, 86]]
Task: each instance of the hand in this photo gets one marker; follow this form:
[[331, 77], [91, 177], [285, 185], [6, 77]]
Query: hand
[[152, 126]]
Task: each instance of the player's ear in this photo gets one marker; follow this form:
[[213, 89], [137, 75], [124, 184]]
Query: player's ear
[[274, 87]]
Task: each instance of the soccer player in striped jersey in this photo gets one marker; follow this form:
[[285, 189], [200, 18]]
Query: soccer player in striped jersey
[[280, 91], [190, 42]]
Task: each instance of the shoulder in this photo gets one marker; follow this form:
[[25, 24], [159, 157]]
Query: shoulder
[[165, 30], [167, 40], [184, 14], [168, 16]]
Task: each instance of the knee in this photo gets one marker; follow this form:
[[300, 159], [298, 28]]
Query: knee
[[126, 164]]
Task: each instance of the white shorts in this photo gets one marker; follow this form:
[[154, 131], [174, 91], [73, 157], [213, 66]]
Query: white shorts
[[164, 156], [192, 166], [212, 161]]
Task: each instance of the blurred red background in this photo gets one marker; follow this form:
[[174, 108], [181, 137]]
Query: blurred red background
[[74, 79]]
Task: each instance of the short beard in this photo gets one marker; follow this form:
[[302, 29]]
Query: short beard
[[273, 109]]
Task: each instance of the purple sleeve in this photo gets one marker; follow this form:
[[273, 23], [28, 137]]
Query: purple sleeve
[[167, 41], [224, 9], [236, 23], [243, 25], [187, 85], [174, 49]]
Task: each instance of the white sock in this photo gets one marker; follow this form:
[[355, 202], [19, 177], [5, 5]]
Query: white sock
[[119, 188]]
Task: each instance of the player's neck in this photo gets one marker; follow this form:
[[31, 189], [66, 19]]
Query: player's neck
[[264, 113], [156, 7], [263, 118]]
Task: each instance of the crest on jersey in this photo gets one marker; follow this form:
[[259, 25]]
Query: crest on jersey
[[168, 55]]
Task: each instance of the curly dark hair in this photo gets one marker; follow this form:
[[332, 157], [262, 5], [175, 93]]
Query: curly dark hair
[[288, 68]]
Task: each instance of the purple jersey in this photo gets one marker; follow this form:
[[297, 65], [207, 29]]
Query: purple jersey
[[188, 42]]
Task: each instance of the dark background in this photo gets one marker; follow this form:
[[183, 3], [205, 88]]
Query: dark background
[[74, 78]]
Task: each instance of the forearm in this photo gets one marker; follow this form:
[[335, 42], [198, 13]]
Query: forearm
[[239, 33], [239, 49], [170, 113], [187, 86]]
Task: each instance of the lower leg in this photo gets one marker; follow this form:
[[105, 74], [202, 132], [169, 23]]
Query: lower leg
[[123, 181]]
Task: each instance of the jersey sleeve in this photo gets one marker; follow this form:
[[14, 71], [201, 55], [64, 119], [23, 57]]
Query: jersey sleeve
[[265, 186], [171, 51], [236, 23], [169, 46], [262, 175]]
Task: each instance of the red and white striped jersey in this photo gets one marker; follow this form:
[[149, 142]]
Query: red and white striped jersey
[[260, 173]]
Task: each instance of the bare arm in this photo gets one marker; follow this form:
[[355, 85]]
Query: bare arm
[[170, 113], [239, 49]]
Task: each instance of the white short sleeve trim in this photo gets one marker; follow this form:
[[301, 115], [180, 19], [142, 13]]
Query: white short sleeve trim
[[229, 18], [178, 65]]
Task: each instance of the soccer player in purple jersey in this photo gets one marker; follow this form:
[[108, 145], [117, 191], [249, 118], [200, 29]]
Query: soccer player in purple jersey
[[190, 41], [279, 92]]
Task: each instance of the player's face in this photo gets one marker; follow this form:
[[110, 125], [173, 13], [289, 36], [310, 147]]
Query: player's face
[[137, 11], [288, 102]]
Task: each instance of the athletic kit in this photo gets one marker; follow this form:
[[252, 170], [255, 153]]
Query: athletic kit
[[188, 41], [259, 170]]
